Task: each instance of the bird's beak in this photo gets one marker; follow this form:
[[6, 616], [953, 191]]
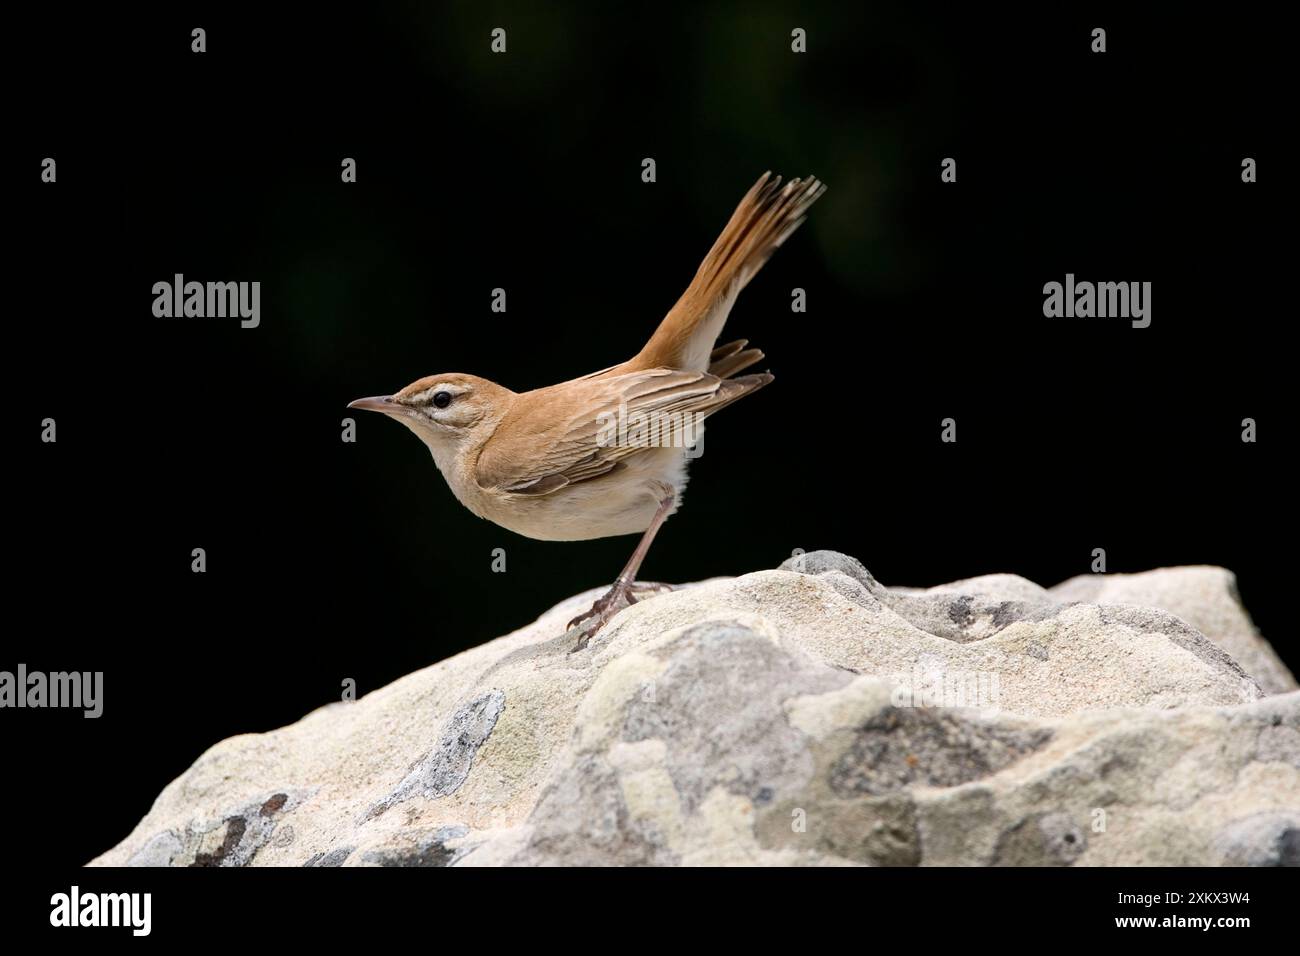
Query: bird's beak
[[379, 403]]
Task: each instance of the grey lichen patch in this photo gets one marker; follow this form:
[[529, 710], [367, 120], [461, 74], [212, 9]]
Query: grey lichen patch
[[583, 820], [879, 831], [902, 747], [336, 857], [420, 848], [716, 713], [444, 768], [231, 840], [1263, 839], [887, 831], [162, 849], [718, 706], [965, 618], [1047, 839], [960, 611]]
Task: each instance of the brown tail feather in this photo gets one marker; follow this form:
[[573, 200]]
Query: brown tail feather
[[733, 357], [764, 219]]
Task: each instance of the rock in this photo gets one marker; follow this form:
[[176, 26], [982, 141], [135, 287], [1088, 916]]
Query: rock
[[230, 838], [1266, 839], [1204, 597], [444, 769], [806, 715]]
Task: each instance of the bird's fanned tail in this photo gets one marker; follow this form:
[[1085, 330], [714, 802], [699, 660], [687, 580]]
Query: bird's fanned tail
[[765, 218]]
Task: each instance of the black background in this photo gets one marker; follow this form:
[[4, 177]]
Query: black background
[[329, 560]]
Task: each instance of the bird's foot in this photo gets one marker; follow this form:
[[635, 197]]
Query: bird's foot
[[621, 595]]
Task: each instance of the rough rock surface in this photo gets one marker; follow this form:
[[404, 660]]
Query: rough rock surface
[[1204, 597], [806, 715]]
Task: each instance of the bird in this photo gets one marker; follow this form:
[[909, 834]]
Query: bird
[[607, 454]]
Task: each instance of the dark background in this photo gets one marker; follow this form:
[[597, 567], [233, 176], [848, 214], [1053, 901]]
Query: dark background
[[329, 560]]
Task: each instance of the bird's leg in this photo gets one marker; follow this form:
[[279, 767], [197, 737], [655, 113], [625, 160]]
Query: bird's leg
[[622, 593]]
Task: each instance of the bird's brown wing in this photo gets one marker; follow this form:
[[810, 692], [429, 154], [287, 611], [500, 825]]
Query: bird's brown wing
[[571, 432]]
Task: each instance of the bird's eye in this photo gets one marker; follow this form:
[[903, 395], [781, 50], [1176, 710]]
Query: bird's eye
[[442, 399]]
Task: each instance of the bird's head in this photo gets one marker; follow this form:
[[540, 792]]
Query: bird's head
[[449, 412]]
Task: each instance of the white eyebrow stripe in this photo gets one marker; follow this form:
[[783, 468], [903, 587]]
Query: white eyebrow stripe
[[421, 397]]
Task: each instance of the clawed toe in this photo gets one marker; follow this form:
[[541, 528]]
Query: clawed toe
[[617, 598]]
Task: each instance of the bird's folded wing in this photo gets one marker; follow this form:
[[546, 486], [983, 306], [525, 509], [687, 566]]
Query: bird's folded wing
[[587, 428]]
